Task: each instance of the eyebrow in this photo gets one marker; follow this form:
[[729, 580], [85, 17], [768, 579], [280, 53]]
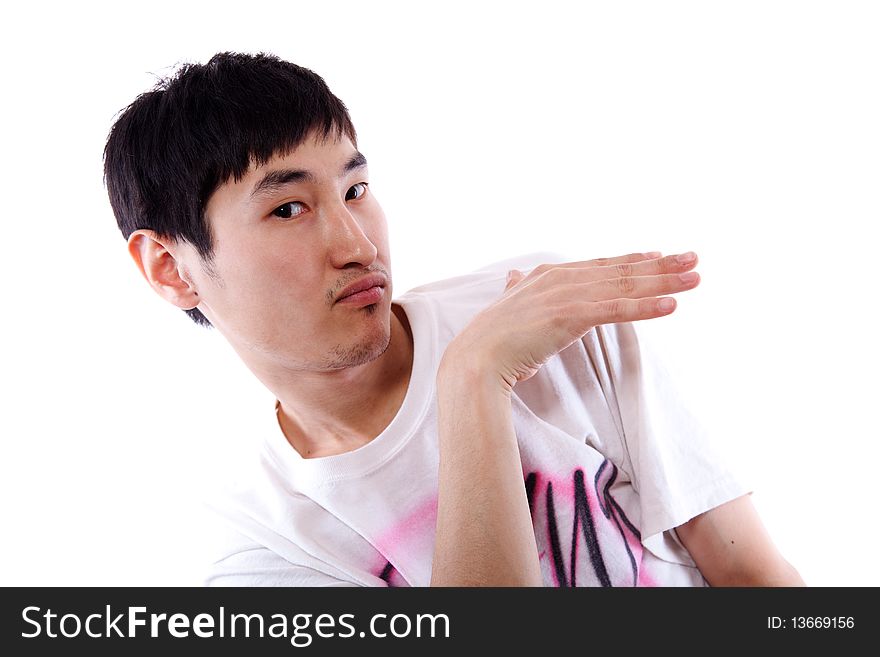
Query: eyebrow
[[280, 177]]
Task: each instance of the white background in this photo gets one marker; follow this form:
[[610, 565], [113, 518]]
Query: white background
[[746, 131]]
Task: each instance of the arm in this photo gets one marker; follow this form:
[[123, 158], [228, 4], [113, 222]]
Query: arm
[[484, 528], [731, 547], [484, 531]]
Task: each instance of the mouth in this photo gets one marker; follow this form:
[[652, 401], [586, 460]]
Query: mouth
[[370, 289], [364, 298]]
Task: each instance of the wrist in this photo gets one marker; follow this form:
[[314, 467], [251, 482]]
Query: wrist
[[466, 370]]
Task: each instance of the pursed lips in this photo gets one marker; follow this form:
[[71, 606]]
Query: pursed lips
[[367, 282]]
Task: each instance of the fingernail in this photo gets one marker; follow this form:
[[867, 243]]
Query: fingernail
[[667, 304], [689, 277], [686, 258]]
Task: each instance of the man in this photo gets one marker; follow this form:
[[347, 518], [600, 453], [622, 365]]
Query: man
[[492, 429]]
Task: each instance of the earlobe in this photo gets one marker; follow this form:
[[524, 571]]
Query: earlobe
[[163, 271]]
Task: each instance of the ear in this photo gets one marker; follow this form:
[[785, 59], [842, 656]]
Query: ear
[[165, 273]]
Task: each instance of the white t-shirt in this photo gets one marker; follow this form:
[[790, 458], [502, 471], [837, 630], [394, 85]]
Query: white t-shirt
[[611, 460]]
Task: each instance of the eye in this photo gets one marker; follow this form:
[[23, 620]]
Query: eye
[[356, 191], [289, 210]]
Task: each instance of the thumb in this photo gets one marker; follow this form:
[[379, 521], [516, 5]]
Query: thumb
[[514, 276]]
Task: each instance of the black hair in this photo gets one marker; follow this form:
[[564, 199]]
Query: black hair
[[171, 149]]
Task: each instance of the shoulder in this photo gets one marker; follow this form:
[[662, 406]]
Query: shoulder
[[454, 301], [495, 271]]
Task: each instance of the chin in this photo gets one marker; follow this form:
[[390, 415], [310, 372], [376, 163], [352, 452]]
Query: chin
[[368, 348]]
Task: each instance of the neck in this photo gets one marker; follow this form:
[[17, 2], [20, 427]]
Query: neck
[[319, 421]]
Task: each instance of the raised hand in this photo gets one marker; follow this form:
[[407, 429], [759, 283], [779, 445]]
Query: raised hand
[[542, 313]]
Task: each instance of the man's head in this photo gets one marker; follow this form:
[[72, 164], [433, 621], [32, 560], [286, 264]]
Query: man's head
[[244, 200]]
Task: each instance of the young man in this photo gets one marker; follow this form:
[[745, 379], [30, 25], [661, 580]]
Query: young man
[[491, 429]]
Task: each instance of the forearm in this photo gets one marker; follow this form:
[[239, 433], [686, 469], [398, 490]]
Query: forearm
[[786, 575], [780, 573], [732, 547], [484, 528]]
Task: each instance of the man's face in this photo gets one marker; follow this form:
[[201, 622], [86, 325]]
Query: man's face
[[288, 238]]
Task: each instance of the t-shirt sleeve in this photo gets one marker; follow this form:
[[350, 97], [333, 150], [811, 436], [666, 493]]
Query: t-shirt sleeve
[[235, 557], [677, 467], [260, 566]]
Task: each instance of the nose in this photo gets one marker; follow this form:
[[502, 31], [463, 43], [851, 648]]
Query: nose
[[347, 243]]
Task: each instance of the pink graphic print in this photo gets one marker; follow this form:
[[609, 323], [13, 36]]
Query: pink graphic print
[[408, 535], [604, 544], [605, 547]]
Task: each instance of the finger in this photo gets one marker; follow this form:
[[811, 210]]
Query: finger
[[650, 259], [669, 265], [615, 311], [624, 260], [605, 262], [634, 287], [572, 273], [641, 263]]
